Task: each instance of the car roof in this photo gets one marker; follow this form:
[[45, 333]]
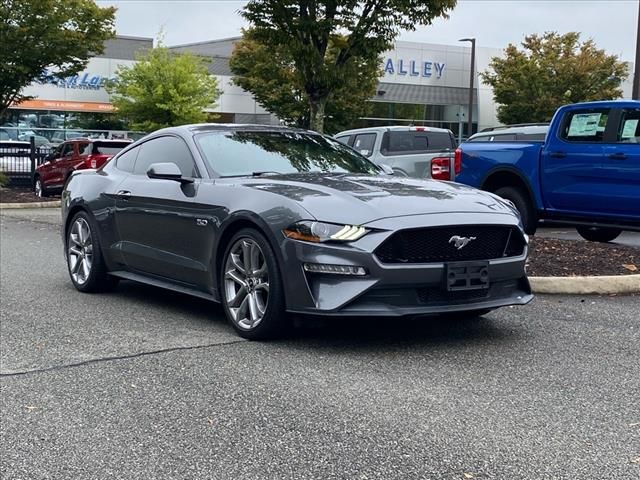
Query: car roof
[[527, 129], [619, 103], [393, 128], [14, 143]]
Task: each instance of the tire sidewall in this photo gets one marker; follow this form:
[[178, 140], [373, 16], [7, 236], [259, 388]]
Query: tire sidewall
[[274, 319], [598, 234], [527, 215]]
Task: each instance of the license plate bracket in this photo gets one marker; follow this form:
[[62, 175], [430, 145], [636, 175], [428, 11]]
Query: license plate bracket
[[466, 276]]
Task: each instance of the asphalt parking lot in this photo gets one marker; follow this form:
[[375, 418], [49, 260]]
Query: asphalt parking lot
[[141, 383]]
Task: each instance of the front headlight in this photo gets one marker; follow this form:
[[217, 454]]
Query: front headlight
[[311, 231]]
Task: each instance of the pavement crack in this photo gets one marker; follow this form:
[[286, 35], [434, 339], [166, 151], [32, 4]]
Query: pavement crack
[[115, 358]]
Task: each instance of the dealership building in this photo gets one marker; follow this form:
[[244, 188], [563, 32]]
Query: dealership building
[[423, 84]]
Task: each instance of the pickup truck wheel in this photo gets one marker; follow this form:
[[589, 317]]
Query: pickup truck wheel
[[39, 189], [519, 199], [597, 234]]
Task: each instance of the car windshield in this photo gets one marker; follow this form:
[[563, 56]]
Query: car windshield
[[243, 153]]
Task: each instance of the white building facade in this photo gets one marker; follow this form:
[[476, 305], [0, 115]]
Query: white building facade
[[423, 84]]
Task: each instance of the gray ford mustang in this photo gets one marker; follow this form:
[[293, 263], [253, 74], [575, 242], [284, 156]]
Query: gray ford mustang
[[269, 220]]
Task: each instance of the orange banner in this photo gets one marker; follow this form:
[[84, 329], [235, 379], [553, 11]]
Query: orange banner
[[66, 106]]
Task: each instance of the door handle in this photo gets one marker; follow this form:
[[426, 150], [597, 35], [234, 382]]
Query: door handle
[[123, 194], [557, 154], [617, 156]]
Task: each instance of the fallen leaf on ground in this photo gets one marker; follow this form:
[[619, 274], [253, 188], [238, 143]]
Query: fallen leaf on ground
[[630, 266], [636, 460], [210, 420], [468, 475], [31, 408]]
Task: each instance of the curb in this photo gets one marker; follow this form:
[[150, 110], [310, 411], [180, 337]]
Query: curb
[[51, 204], [600, 285]]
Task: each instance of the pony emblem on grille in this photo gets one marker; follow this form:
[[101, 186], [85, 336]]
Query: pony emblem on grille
[[460, 242]]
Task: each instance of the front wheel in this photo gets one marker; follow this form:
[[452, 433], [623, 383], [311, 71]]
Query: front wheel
[[598, 234], [85, 262], [251, 286], [39, 189]]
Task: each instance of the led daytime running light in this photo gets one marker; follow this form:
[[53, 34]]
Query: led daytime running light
[[335, 269]]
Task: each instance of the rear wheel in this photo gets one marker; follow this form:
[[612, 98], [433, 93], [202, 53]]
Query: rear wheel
[[39, 189], [85, 262], [252, 292], [598, 234], [519, 199]]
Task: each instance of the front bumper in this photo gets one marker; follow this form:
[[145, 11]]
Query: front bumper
[[394, 289]]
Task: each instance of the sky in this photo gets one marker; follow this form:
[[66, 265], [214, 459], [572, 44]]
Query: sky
[[494, 23]]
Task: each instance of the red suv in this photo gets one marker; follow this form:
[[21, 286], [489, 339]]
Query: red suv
[[76, 154]]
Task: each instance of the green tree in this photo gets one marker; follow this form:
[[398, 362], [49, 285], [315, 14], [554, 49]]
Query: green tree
[[163, 89], [551, 70], [269, 73], [38, 37], [325, 38]]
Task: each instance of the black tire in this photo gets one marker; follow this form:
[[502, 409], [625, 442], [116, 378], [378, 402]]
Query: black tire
[[274, 320], [38, 188], [598, 234], [520, 200], [98, 279]]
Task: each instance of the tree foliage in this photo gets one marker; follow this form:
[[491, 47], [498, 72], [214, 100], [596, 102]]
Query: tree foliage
[[326, 39], [163, 89], [551, 70], [269, 73], [36, 35]]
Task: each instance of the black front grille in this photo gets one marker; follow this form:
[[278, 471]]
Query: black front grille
[[438, 244]]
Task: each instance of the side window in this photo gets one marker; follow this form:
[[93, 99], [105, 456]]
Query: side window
[[584, 125], [629, 130], [67, 150], [84, 148], [126, 161], [344, 139], [440, 141], [531, 137], [364, 142], [505, 137], [165, 149]]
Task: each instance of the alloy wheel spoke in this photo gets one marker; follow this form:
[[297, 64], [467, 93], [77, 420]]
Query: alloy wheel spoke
[[236, 277], [253, 308], [255, 258], [240, 313], [241, 294], [85, 268], [235, 260], [263, 286], [246, 256], [74, 251]]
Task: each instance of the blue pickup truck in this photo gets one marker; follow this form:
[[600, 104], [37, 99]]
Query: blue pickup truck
[[586, 172]]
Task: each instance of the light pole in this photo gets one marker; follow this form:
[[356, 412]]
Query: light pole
[[471, 75], [635, 94]]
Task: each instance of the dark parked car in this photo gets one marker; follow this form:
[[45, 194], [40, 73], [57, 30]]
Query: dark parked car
[[70, 156], [269, 220]]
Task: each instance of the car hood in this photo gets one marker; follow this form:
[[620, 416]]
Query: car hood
[[359, 199]]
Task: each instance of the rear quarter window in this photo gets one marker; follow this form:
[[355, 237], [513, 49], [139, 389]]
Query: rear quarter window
[[413, 142]]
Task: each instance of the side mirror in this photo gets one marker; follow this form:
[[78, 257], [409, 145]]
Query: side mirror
[[167, 171], [386, 169]]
